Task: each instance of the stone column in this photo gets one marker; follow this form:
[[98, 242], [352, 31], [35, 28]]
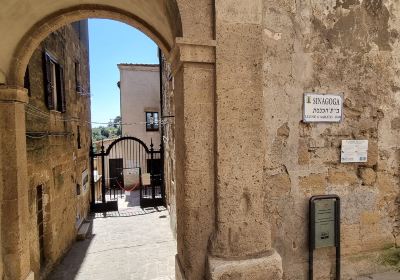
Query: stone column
[[14, 184], [1, 199], [193, 69], [241, 247]]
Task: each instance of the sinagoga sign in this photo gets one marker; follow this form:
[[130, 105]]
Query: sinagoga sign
[[322, 107]]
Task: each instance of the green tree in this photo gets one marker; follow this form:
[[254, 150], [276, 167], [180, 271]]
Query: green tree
[[112, 130], [105, 132], [117, 122]]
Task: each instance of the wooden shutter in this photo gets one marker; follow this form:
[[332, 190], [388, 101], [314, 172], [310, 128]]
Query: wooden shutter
[[61, 89], [48, 86]]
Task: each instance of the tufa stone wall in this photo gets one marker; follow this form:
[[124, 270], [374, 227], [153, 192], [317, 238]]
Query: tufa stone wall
[[54, 160], [168, 131], [343, 46]]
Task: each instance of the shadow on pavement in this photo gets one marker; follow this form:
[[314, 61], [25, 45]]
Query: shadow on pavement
[[70, 265], [130, 212]]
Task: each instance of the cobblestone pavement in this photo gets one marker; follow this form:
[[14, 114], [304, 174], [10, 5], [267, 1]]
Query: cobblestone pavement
[[132, 244]]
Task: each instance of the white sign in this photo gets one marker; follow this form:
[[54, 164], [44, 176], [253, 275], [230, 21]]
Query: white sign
[[131, 176], [354, 151], [146, 179], [322, 107]]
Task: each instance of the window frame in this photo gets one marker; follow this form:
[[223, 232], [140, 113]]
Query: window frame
[[78, 77], [78, 139], [54, 83], [152, 126]]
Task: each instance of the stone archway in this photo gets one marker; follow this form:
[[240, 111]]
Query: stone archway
[[30, 23], [216, 59], [164, 22], [43, 28]]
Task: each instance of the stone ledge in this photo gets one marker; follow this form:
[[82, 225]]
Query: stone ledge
[[262, 268], [13, 94], [191, 51]]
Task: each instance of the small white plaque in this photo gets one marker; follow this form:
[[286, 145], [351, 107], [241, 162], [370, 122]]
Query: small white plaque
[[354, 151], [322, 107]]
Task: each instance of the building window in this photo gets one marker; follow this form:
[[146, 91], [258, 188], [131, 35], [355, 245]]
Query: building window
[[54, 84], [78, 84], [79, 137], [152, 122]]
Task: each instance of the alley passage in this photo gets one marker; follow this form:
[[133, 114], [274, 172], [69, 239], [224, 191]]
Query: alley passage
[[132, 244]]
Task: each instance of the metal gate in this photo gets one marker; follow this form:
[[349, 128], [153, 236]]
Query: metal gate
[[126, 164]]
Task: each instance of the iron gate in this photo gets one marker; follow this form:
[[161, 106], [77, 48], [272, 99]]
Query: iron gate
[[127, 164]]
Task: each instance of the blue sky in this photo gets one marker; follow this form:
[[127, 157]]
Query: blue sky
[[113, 42]]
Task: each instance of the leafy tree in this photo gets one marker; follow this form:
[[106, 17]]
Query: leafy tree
[[105, 132], [117, 122], [112, 130]]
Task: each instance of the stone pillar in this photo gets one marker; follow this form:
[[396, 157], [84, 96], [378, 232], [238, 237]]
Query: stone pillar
[[241, 247], [193, 69], [14, 184], [1, 199]]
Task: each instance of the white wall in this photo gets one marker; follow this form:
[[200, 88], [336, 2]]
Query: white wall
[[140, 92]]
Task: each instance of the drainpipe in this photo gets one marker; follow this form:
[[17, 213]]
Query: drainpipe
[[161, 127]]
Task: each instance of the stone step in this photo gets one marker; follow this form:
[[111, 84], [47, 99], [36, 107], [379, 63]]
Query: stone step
[[83, 231]]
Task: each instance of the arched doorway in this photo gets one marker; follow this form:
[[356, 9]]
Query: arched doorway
[[186, 51]]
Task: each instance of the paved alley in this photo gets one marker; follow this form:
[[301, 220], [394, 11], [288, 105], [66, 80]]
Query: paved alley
[[132, 244]]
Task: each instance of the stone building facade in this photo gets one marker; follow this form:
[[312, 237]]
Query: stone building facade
[[57, 143], [245, 164]]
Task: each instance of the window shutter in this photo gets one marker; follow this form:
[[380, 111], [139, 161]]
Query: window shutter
[[63, 105], [48, 86], [78, 77]]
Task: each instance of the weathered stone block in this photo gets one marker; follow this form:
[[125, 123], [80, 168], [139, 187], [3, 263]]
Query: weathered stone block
[[373, 153], [350, 239], [369, 218], [385, 184], [342, 177], [326, 155], [368, 176], [283, 130], [395, 123], [278, 185], [313, 184], [258, 268], [302, 152]]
